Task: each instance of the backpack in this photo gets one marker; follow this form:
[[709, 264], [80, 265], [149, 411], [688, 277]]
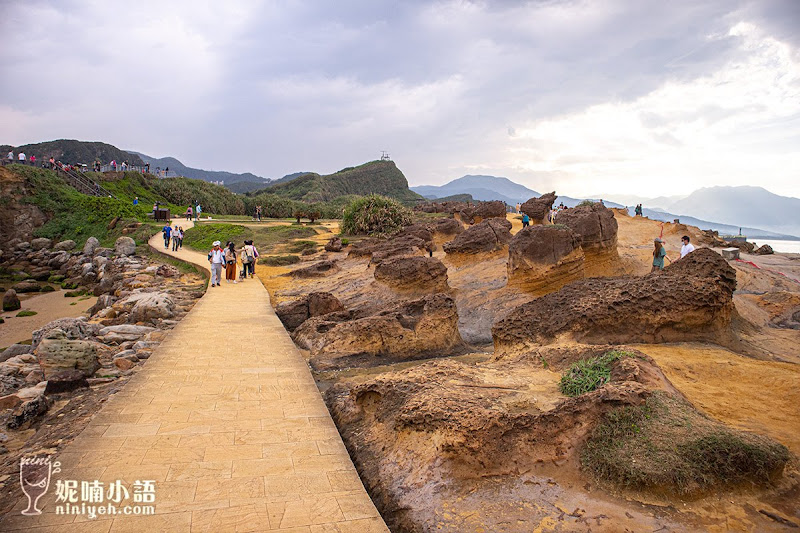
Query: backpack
[[247, 253]]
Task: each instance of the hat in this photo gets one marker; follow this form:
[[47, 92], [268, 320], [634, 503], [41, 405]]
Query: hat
[[658, 240], [215, 243]]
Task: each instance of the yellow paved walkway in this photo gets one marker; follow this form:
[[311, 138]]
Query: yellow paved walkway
[[225, 417]]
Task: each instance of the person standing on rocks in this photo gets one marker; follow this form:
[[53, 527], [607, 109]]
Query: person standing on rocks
[[167, 231], [686, 246], [217, 258], [230, 263], [526, 220], [659, 253]]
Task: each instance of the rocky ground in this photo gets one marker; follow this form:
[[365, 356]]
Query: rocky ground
[[51, 385], [455, 414]]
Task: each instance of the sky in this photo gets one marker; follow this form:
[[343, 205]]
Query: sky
[[640, 97]]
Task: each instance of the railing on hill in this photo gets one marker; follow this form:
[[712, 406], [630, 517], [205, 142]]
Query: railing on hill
[[159, 172], [82, 183]]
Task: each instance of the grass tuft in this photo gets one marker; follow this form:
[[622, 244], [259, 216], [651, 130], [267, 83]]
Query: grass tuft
[[279, 260], [590, 374]]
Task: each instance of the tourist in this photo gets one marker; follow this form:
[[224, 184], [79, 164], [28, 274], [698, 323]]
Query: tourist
[[686, 247], [21, 158], [11, 156], [248, 256], [180, 237], [189, 213], [136, 200], [217, 258], [167, 231], [52, 163], [33, 160], [526, 220], [252, 264], [230, 263], [175, 238], [197, 210], [659, 253]]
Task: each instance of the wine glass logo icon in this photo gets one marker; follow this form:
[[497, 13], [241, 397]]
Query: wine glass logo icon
[[34, 479]]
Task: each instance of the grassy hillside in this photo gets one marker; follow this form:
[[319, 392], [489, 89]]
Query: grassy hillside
[[375, 177], [71, 152]]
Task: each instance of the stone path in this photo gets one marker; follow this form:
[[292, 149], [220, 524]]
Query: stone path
[[225, 417]]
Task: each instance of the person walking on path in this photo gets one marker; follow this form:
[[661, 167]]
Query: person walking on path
[[230, 263], [167, 230], [217, 258], [686, 247], [526, 220], [197, 210], [176, 237], [21, 158], [659, 253], [189, 213], [180, 237], [249, 255]]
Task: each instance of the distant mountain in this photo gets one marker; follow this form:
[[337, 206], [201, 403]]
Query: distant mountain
[[248, 181], [723, 229], [71, 151], [661, 202], [379, 177], [288, 177], [482, 188]]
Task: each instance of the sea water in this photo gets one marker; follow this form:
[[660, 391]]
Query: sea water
[[787, 247]]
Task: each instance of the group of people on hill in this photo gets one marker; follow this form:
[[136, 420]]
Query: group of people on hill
[[22, 159], [196, 211], [175, 235], [228, 257], [660, 252], [637, 211]]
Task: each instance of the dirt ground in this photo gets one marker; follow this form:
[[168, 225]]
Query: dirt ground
[[48, 306]]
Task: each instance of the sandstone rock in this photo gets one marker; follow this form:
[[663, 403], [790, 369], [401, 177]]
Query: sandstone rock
[[691, 300], [317, 270], [419, 231], [11, 301], [764, 249], [594, 225], [334, 245], [15, 350], [168, 271], [406, 331], [26, 286], [64, 246], [10, 401], [91, 245], [28, 411], [66, 363], [125, 246], [294, 313], [484, 210], [126, 329], [486, 236], [544, 258], [124, 364], [151, 307], [41, 243], [538, 208], [73, 328], [447, 226], [415, 273], [103, 301]]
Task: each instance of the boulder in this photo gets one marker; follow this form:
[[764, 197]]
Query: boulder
[[294, 313], [317, 270], [125, 246], [447, 226], [58, 259], [22, 246], [41, 243], [123, 332], [406, 331], [15, 350], [168, 271], [29, 410], [26, 286], [152, 306], [543, 259], [334, 245], [10, 401], [103, 301], [690, 300], [486, 236], [11, 301], [91, 245], [65, 246], [414, 273], [66, 363], [538, 208], [594, 225], [73, 328], [484, 210], [764, 249]]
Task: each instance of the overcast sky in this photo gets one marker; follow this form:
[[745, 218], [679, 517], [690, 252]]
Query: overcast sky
[[638, 97]]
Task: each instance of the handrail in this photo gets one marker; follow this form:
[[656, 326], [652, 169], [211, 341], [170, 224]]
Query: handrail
[[84, 184]]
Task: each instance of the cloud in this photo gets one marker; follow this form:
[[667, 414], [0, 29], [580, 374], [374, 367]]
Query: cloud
[[275, 87]]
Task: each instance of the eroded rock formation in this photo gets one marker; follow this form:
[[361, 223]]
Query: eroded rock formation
[[486, 236], [415, 273], [691, 299], [596, 229], [293, 314], [538, 208], [544, 258]]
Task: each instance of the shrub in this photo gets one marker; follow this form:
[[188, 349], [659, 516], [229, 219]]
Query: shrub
[[279, 260], [73, 294], [585, 203], [374, 215], [27, 313]]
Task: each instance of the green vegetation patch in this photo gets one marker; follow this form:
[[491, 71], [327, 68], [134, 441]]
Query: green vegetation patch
[[667, 446], [374, 215], [27, 313], [265, 238], [73, 294], [279, 260], [590, 374], [301, 246]]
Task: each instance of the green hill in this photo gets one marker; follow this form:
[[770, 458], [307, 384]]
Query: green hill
[[72, 152], [375, 177]]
